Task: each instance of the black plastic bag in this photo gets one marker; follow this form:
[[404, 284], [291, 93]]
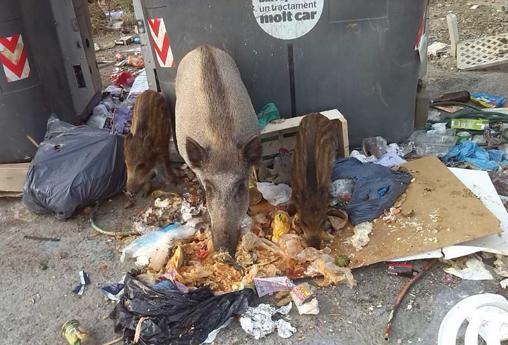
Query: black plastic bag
[[171, 316], [376, 188], [74, 166]]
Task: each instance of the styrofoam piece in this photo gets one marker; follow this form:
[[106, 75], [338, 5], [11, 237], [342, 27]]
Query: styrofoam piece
[[480, 184]]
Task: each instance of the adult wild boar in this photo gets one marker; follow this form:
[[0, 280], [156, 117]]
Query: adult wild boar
[[146, 147], [315, 151], [217, 136]]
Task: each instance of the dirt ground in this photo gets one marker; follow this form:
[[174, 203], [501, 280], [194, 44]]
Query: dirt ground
[[37, 277]]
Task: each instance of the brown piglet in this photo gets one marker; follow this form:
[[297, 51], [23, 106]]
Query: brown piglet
[[146, 147], [315, 151]]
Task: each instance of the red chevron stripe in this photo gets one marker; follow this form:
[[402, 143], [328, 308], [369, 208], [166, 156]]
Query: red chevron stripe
[[10, 42], [155, 24], [15, 67], [163, 51]]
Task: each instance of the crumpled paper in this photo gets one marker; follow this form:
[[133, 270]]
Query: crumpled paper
[[258, 321], [474, 270], [361, 237]]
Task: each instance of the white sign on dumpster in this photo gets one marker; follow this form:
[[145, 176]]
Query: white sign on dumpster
[[287, 19]]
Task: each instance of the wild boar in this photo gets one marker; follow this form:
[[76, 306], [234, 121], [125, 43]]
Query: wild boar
[[146, 147], [315, 151], [218, 137]]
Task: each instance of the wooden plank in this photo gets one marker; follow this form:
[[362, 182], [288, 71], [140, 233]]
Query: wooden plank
[[453, 31], [344, 133], [441, 211], [12, 177]]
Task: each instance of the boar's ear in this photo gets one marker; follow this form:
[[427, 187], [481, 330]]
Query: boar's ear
[[252, 151], [195, 152]]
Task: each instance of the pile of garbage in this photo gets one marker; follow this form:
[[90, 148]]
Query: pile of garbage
[[271, 246], [114, 111]]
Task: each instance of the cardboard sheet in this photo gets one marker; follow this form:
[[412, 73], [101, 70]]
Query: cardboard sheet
[[480, 184], [443, 210], [12, 178]]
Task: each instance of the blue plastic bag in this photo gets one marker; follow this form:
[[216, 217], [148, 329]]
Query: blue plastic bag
[[376, 188], [488, 100], [470, 152]]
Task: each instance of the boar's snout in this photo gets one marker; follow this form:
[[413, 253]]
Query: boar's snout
[[138, 179], [225, 235], [227, 210]]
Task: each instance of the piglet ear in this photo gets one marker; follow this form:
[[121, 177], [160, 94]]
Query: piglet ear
[[196, 154], [252, 151]]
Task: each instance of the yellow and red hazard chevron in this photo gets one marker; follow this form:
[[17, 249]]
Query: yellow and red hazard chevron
[[13, 58], [160, 42]]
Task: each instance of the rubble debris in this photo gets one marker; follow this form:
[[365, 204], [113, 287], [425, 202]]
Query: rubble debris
[[472, 269], [84, 280], [258, 321], [174, 316], [361, 237]]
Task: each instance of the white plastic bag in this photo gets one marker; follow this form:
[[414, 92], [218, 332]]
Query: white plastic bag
[[152, 249]]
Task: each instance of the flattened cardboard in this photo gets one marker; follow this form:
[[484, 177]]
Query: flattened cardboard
[[445, 211], [12, 178], [480, 184]]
